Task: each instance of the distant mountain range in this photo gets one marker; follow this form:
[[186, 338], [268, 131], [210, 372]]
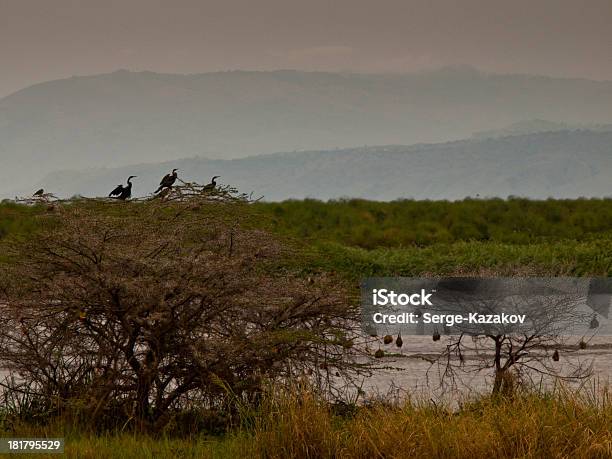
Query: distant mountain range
[[550, 164], [535, 126], [123, 118]]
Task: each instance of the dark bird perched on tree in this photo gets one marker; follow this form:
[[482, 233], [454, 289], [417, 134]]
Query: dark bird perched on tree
[[123, 192], [211, 186], [167, 181], [39, 192]]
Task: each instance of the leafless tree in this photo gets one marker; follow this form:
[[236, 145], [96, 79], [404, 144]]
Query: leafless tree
[[512, 354]]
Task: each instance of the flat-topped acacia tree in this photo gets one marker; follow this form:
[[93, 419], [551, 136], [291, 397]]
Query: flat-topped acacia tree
[[136, 311]]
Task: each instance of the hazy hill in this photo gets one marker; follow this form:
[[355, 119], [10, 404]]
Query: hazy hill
[[535, 126], [558, 164], [130, 117]]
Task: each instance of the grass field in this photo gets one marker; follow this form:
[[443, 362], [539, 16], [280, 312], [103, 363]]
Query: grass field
[[470, 237], [299, 425], [410, 238], [371, 225]]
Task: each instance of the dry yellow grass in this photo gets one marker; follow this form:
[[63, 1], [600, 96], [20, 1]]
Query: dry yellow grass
[[560, 425], [298, 424]]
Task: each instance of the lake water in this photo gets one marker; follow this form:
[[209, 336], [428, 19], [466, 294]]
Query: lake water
[[413, 375]]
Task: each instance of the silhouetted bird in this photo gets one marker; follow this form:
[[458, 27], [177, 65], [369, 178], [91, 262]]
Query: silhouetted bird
[[555, 356], [123, 192], [211, 186], [39, 192], [167, 181]]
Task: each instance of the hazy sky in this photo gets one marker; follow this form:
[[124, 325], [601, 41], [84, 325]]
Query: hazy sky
[[48, 39]]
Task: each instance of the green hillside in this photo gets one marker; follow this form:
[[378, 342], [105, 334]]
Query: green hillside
[[408, 223], [363, 238]]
